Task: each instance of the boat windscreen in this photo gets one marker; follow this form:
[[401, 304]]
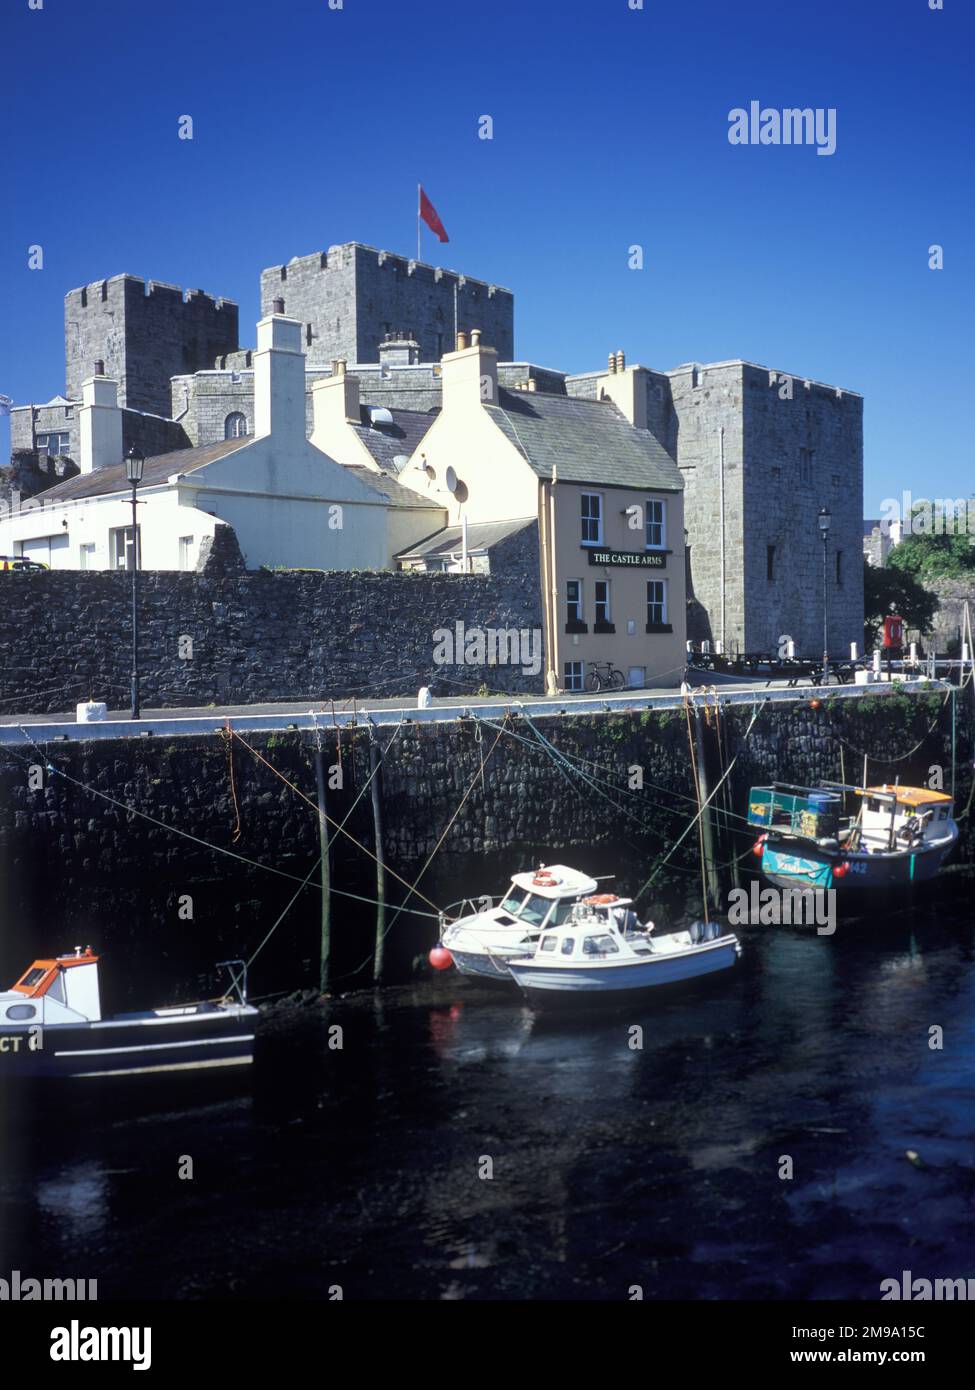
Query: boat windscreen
[[514, 902], [534, 909]]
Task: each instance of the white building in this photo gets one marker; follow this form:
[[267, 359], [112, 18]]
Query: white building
[[289, 503]]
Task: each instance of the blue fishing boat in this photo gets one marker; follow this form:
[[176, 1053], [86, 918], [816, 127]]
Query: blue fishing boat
[[895, 836]]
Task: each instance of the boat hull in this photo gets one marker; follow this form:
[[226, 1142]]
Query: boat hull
[[551, 986], [168, 1041], [477, 963], [785, 866]]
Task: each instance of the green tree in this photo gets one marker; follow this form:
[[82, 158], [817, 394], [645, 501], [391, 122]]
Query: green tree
[[939, 544], [894, 591]]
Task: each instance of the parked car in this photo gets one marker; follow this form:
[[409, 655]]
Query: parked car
[[18, 562]]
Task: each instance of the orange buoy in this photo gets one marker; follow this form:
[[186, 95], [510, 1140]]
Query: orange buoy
[[600, 899], [440, 958]]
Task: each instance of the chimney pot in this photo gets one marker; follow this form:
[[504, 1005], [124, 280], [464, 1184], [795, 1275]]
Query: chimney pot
[[278, 306], [621, 361], [611, 363], [99, 367], [475, 337], [461, 341]]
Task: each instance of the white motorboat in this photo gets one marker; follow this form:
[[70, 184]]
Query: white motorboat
[[51, 1025], [480, 941], [594, 957]]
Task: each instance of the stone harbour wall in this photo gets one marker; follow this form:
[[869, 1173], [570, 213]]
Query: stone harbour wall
[[77, 864]]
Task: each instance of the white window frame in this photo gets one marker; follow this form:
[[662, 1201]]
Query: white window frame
[[579, 603], [592, 521], [120, 540], [573, 675], [651, 504], [663, 619], [86, 554], [186, 544], [607, 615]]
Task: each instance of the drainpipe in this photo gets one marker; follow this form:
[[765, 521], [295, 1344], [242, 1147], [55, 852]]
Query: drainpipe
[[724, 647]]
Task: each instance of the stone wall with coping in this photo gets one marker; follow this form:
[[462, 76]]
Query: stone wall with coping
[[254, 637]]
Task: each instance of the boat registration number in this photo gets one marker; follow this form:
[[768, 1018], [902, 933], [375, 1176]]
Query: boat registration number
[[31, 1041]]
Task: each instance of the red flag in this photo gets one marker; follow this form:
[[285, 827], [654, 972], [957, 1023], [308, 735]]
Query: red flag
[[429, 214]]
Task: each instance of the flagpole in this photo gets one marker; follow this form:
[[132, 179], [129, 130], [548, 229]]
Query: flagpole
[[418, 221]]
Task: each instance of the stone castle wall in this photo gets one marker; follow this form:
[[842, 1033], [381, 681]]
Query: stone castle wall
[[144, 334], [353, 296]]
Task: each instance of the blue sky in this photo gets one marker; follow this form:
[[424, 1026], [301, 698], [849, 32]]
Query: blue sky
[[313, 126]]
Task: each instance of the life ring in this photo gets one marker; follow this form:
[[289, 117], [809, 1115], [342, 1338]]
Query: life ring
[[544, 880], [600, 899]]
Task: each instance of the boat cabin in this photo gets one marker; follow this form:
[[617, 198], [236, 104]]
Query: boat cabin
[[55, 991], [889, 817], [545, 896], [893, 817]]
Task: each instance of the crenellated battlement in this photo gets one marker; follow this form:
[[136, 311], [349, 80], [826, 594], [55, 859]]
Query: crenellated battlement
[[142, 332], [350, 297]]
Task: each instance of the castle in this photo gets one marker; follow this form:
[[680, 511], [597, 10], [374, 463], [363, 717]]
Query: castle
[[760, 452]]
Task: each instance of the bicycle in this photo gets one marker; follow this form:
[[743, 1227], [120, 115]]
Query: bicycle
[[604, 675]]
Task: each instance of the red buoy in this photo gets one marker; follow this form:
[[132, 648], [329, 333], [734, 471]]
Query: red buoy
[[440, 958]]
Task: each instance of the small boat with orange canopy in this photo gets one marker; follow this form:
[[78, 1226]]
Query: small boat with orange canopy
[[51, 1025]]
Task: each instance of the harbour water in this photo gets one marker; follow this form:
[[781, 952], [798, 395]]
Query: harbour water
[[457, 1147]]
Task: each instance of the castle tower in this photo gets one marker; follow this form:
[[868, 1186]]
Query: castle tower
[[143, 334], [353, 298]]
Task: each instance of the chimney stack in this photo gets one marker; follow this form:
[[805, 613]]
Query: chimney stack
[[100, 423], [469, 376], [279, 380]]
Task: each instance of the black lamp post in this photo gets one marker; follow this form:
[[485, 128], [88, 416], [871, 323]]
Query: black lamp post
[[134, 464], [824, 524]]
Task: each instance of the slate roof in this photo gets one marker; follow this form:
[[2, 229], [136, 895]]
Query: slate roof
[[481, 535], [585, 441], [388, 487], [386, 441], [157, 469]]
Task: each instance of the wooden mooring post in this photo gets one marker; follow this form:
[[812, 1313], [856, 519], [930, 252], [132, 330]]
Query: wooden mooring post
[[325, 958], [377, 822], [712, 887]]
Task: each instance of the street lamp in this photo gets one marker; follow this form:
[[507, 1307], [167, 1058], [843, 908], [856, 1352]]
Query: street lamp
[[134, 464], [824, 524]]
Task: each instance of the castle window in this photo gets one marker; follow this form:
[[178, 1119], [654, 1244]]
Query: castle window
[[308, 335], [84, 299], [235, 426], [284, 272], [54, 445]]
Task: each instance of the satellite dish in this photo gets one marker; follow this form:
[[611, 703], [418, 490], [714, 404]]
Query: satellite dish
[[450, 478], [400, 461]]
